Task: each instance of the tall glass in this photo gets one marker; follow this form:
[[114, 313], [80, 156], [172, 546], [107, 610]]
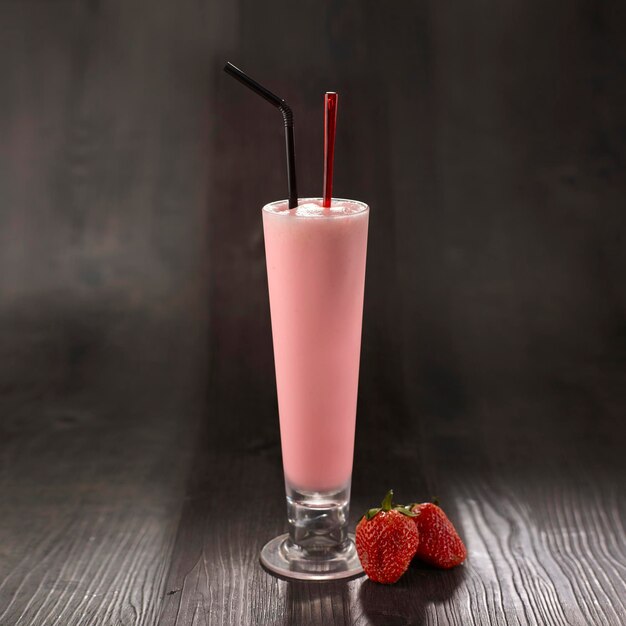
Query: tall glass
[[316, 275]]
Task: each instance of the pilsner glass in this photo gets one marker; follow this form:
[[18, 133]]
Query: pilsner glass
[[316, 276]]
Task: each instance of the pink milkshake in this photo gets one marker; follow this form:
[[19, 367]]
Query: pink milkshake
[[316, 275], [315, 251]]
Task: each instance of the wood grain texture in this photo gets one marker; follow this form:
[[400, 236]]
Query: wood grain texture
[[545, 541], [92, 481], [493, 360], [102, 308], [140, 468]]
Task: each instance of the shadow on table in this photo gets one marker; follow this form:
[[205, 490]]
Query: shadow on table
[[402, 604], [405, 602], [315, 603]]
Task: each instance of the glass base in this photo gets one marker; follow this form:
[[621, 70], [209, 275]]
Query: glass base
[[281, 556]]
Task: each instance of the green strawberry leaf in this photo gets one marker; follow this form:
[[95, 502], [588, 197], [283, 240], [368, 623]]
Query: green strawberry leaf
[[372, 512], [386, 505], [405, 511]]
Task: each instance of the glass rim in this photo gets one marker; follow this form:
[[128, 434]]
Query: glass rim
[[365, 209]]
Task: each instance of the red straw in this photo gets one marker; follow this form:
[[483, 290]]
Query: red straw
[[330, 123]]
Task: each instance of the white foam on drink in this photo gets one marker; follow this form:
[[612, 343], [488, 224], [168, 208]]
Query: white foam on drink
[[312, 207]]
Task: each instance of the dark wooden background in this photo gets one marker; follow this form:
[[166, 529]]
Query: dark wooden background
[[140, 467]]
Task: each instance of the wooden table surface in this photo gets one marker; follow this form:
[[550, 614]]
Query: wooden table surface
[[140, 469]]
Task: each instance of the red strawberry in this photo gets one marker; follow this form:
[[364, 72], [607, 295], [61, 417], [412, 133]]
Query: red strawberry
[[386, 541], [439, 545]]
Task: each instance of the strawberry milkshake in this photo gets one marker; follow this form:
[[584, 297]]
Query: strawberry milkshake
[[316, 277], [315, 250]]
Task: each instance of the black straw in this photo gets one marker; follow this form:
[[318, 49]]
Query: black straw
[[284, 108]]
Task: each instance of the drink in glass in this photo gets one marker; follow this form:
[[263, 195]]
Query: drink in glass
[[316, 274]]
